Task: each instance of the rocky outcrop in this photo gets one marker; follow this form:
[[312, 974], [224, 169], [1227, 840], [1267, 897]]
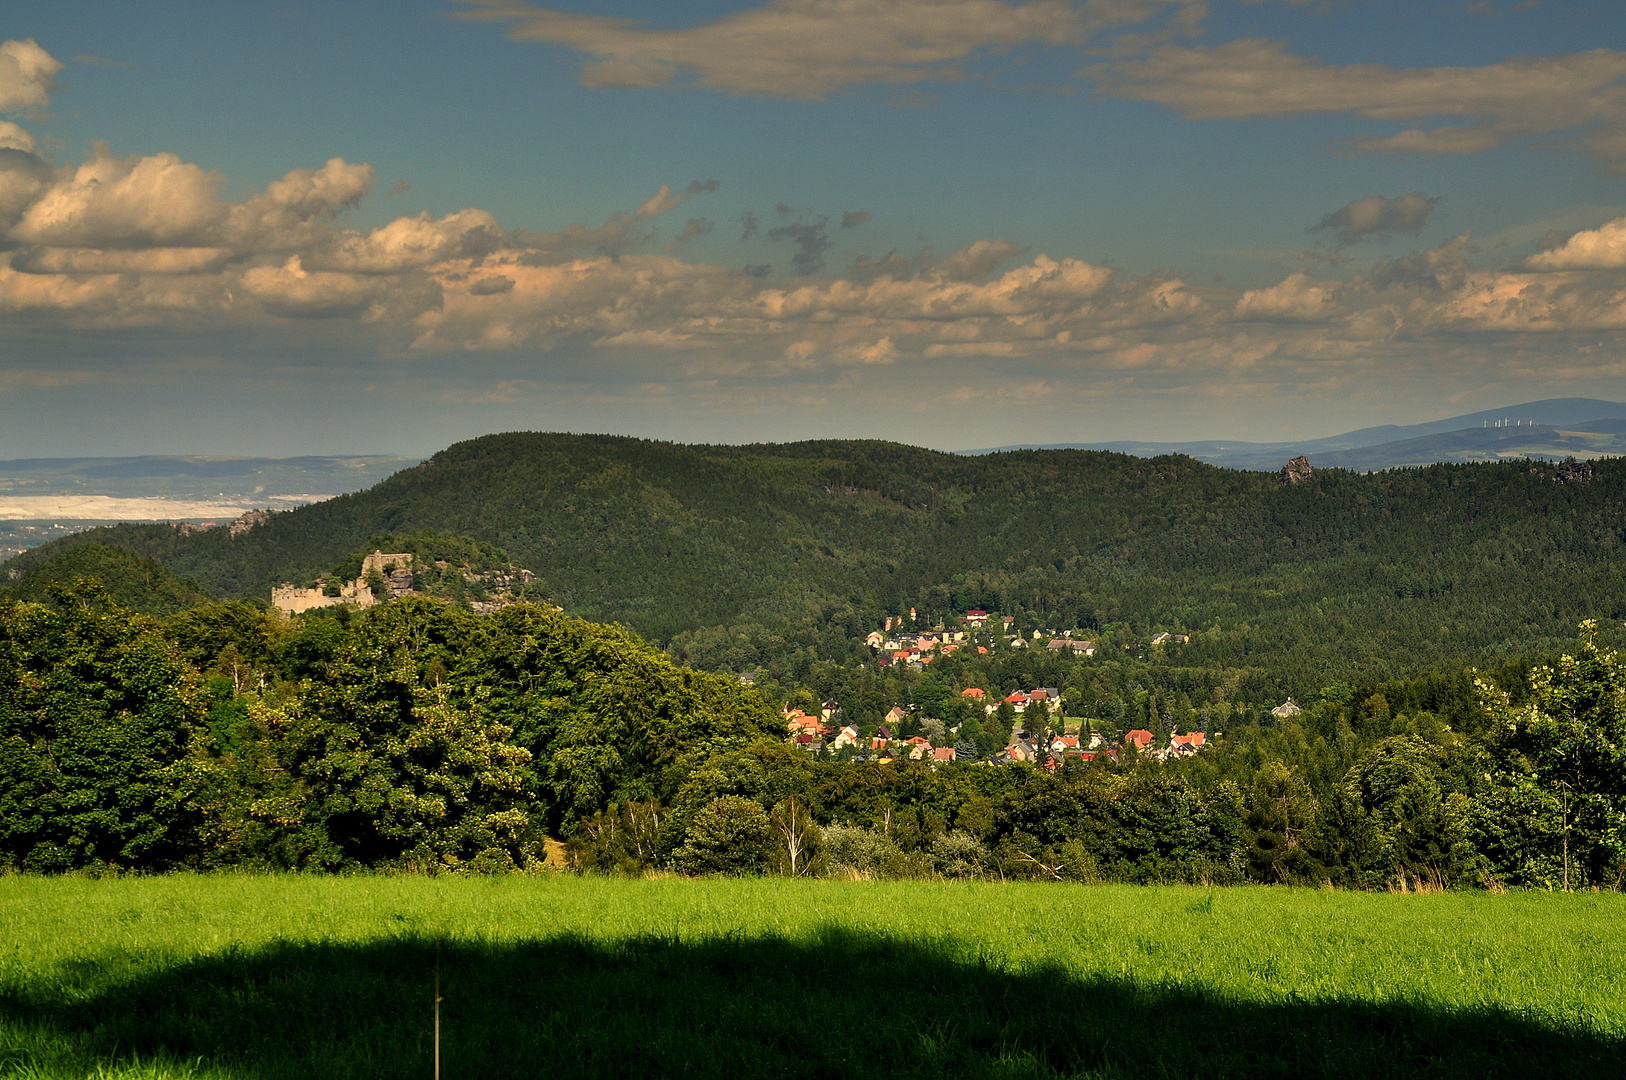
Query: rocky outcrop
[[390, 576], [249, 520], [1296, 471], [1571, 471]]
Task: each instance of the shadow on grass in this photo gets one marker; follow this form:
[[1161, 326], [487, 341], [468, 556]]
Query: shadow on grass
[[843, 1005]]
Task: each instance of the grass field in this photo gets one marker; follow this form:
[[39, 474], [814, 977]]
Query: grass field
[[262, 977]]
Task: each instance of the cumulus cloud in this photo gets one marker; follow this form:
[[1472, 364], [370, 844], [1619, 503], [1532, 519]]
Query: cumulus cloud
[[809, 49], [1441, 268], [693, 229], [1581, 93], [27, 75], [23, 176], [113, 243], [151, 240], [1603, 248], [1377, 216], [971, 263], [14, 137], [151, 201], [1294, 299]]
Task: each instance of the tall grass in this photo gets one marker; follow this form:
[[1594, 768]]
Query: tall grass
[[331, 977]]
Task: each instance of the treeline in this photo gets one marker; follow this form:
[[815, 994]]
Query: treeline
[[1516, 787], [807, 546], [419, 737]]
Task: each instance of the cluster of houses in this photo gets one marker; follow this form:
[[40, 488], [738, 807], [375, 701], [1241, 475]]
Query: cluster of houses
[[819, 733], [893, 644], [1048, 697], [897, 647]]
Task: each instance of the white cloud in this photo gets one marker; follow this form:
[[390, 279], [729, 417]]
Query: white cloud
[[27, 75], [14, 137], [23, 176], [414, 242], [125, 202], [150, 242], [292, 211], [1584, 93], [1603, 248], [1294, 299]]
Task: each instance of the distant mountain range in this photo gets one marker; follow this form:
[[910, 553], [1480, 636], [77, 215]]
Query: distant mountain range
[[1552, 429], [42, 499], [197, 476]]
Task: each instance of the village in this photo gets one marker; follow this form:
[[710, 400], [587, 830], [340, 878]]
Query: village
[[1041, 734]]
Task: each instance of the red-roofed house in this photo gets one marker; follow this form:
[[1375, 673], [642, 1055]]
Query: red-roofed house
[[943, 753], [1140, 737], [1187, 744], [975, 693], [797, 722]]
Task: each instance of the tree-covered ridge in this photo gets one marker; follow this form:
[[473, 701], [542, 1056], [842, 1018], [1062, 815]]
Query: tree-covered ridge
[[415, 734], [131, 580], [805, 546]]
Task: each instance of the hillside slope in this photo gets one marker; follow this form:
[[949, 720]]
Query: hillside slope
[[808, 543]]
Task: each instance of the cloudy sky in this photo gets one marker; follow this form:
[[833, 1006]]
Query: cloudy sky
[[283, 228]]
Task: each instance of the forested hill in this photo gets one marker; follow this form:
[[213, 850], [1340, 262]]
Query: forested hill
[[811, 542]]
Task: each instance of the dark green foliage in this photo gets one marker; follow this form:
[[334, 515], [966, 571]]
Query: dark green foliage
[[627, 838], [130, 580], [744, 556], [378, 764], [729, 835], [1554, 810], [605, 717], [98, 723], [1401, 785], [416, 735]]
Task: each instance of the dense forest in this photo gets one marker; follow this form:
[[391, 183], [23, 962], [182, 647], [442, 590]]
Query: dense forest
[[783, 556], [418, 736], [154, 713]]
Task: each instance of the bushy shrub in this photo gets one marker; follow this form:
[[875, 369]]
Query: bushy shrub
[[958, 854], [729, 836], [623, 839], [852, 848]]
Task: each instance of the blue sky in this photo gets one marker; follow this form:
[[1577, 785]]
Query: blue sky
[[285, 228]]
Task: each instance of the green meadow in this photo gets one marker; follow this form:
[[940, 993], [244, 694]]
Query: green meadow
[[284, 976]]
